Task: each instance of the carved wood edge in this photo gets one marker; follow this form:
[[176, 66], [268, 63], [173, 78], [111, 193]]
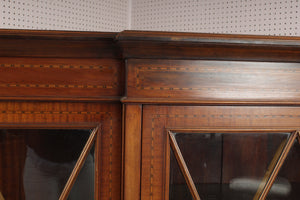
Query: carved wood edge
[[79, 164], [183, 167], [275, 166]]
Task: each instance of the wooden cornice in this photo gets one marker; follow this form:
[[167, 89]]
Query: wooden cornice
[[207, 38], [56, 35], [162, 67], [147, 44], [60, 66], [172, 45], [58, 44]]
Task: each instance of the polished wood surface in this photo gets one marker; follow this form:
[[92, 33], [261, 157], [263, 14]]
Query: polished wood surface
[[1, 196], [133, 35], [132, 150], [60, 79], [60, 65], [199, 46], [57, 44], [192, 80], [63, 79], [212, 81]]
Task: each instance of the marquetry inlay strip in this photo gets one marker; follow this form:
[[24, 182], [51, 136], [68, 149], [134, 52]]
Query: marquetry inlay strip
[[211, 71], [214, 89], [53, 112], [58, 86], [226, 116], [110, 157], [103, 85], [55, 66], [152, 159]]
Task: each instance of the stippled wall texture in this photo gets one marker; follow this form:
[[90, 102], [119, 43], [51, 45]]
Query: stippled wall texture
[[259, 17]]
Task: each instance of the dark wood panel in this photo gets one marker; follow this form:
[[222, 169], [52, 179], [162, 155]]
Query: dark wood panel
[[60, 78], [196, 51], [55, 35], [156, 119], [57, 44], [133, 35], [210, 81], [66, 115], [167, 45]]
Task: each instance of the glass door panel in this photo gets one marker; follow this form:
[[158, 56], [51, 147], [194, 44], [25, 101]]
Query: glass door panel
[[287, 184], [202, 154], [178, 188], [37, 163], [230, 165]]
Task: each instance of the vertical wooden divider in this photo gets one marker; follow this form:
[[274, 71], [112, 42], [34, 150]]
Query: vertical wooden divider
[[132, 154], [98, 163]]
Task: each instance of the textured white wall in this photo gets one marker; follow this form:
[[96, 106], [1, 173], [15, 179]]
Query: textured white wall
[[83, 15], [262, 17]]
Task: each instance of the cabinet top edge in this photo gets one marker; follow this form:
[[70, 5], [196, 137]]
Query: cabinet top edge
[[154, 36], [56, 35], [187, 37]]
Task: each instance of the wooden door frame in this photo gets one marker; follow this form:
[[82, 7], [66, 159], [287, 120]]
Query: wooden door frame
[[96, 140], [269, 177]]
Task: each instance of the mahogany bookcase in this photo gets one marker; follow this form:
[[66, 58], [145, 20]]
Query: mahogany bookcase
[[142, 87]]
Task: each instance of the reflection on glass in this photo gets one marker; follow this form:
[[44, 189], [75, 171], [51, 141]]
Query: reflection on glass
[[232, 166], [36, 164], [179, 190], [287, 184], [83, 187]]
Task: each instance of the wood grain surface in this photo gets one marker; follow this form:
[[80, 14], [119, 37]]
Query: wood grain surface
[[212, 81], [60, 79], [199, 46], [132, 151], [57, 44]]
